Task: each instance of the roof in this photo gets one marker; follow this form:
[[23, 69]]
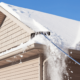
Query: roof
[[67, 30]]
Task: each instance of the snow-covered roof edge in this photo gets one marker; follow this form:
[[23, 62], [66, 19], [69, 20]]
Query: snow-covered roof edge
[[31, 23], [9, 10]]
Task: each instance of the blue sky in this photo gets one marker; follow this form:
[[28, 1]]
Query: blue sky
[[65, 8]]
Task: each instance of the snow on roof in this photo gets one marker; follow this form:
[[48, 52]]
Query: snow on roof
[[23, 17], [67, 29]]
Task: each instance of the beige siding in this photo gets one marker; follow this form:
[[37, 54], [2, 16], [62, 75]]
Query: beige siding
[[11, 35], [28, 70]]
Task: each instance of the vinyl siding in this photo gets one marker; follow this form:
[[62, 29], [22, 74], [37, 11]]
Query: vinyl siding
[[11, 35], [28, 70]]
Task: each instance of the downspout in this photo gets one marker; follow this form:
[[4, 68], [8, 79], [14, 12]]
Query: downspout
[[44, 67]]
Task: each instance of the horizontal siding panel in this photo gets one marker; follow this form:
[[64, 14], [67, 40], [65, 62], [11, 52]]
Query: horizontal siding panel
[[28, 70], [2, 34], [17, 28], [8, 42], [29, 62], [17, 40], [33, 66], [22, 76], [22, 40], [7, 39], [4, 31], [19, 73], [10, 33], [13, 36], [7, 26], [9, 46]]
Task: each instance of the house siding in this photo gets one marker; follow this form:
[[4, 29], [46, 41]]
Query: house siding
[[11, 35], [28, 70]]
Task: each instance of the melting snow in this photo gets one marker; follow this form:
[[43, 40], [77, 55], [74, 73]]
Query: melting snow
[[67, 29]]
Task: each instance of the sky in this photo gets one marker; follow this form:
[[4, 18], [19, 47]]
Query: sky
[[65, 8]]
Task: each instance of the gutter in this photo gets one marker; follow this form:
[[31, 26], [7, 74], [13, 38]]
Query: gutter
[[21, 50]]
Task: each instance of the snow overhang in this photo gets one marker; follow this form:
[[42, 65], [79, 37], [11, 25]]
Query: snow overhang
[[31, 50], [5, 6]]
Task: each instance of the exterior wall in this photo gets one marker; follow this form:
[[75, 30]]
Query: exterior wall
[[73, 70], [11, 35], [28, 70]]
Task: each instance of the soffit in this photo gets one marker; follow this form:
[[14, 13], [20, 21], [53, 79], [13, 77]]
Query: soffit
[[32, 50]]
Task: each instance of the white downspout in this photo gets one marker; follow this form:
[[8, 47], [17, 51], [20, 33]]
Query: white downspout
[[44, 67]]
